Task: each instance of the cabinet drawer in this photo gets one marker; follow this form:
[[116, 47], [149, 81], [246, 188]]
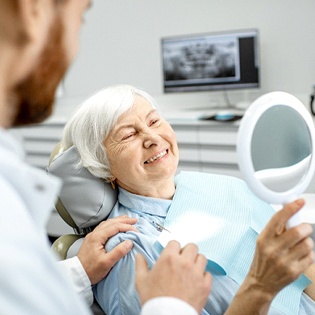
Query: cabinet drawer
[[216, 137], [221, 170], [186, 135], [39, 147], [42, 132], [188, 166], [188, 153], [218, 155]]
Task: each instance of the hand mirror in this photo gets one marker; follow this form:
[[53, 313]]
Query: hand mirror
[[275, 145]]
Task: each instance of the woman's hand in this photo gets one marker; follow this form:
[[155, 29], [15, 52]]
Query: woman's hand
[[281, 256], [92, 255], [177, 273]]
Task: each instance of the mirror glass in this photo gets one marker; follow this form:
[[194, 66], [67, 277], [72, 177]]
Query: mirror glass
[[275, 147], [281, 148]]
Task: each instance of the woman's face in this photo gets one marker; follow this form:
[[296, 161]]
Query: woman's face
[[142, 151]]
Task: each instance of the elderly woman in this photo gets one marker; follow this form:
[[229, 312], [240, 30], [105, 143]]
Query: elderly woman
[[121, 137]]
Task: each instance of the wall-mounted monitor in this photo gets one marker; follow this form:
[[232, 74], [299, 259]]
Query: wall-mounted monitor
[[213, 61]]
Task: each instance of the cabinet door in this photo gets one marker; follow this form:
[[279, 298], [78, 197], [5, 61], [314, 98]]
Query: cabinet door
[[189, 155], [207, 147]]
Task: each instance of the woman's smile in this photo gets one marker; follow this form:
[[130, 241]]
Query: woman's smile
[[156, 157]]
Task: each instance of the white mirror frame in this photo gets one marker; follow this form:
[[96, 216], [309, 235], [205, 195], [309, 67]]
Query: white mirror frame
[[244, 138]]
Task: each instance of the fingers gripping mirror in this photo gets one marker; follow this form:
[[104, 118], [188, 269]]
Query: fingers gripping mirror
[[275, 146]]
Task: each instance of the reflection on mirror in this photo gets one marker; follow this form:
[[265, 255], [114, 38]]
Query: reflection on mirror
[[275, 145], [281, 148]]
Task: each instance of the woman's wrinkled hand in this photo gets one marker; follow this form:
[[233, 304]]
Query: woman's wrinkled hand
[[281, 255]]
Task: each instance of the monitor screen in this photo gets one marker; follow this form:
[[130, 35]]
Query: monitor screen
[[215, 61]]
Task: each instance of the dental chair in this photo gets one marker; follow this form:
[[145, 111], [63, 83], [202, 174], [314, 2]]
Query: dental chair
[[83, 202]]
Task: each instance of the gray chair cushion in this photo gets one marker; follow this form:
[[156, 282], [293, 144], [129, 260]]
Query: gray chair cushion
[[87, 199]]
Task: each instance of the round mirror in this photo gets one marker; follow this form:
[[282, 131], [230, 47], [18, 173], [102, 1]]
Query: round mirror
[[274, 147]]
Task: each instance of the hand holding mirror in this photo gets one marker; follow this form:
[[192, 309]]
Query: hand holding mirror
[[275, 146]]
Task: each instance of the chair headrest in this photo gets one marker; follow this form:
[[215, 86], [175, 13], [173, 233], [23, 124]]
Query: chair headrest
[[86, 198]]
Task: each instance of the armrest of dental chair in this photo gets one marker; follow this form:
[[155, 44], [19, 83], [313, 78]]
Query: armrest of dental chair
[[62, 245]]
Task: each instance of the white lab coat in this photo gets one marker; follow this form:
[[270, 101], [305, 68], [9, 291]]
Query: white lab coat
[[31, 281]]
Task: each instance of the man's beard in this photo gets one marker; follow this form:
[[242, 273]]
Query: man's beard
[[33, 98]]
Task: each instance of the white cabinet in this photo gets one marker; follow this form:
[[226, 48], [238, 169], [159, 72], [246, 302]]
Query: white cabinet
[[207, 146], [39, 140]]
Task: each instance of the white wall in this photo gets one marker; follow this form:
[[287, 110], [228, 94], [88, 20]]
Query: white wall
[[120, 43]]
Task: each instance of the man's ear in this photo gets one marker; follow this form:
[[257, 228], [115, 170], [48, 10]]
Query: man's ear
[[35, 16]]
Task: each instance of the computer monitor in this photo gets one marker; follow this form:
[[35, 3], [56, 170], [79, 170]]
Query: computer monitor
[[213, 61]]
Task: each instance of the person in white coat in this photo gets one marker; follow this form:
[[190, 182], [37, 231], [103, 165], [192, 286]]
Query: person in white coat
[[38, 41]]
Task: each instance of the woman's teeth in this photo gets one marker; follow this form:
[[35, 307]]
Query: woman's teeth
[[160, 155]]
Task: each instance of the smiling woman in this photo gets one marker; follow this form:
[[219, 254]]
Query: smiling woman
[[111, 138], [121, 137], [142, 152]]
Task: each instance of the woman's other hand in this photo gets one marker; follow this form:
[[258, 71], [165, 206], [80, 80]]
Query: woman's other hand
[[281, 256]]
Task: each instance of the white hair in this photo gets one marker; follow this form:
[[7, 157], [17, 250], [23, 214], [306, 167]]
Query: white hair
[[93, 120]]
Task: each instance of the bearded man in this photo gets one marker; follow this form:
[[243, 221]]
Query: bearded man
[[38, 41]]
